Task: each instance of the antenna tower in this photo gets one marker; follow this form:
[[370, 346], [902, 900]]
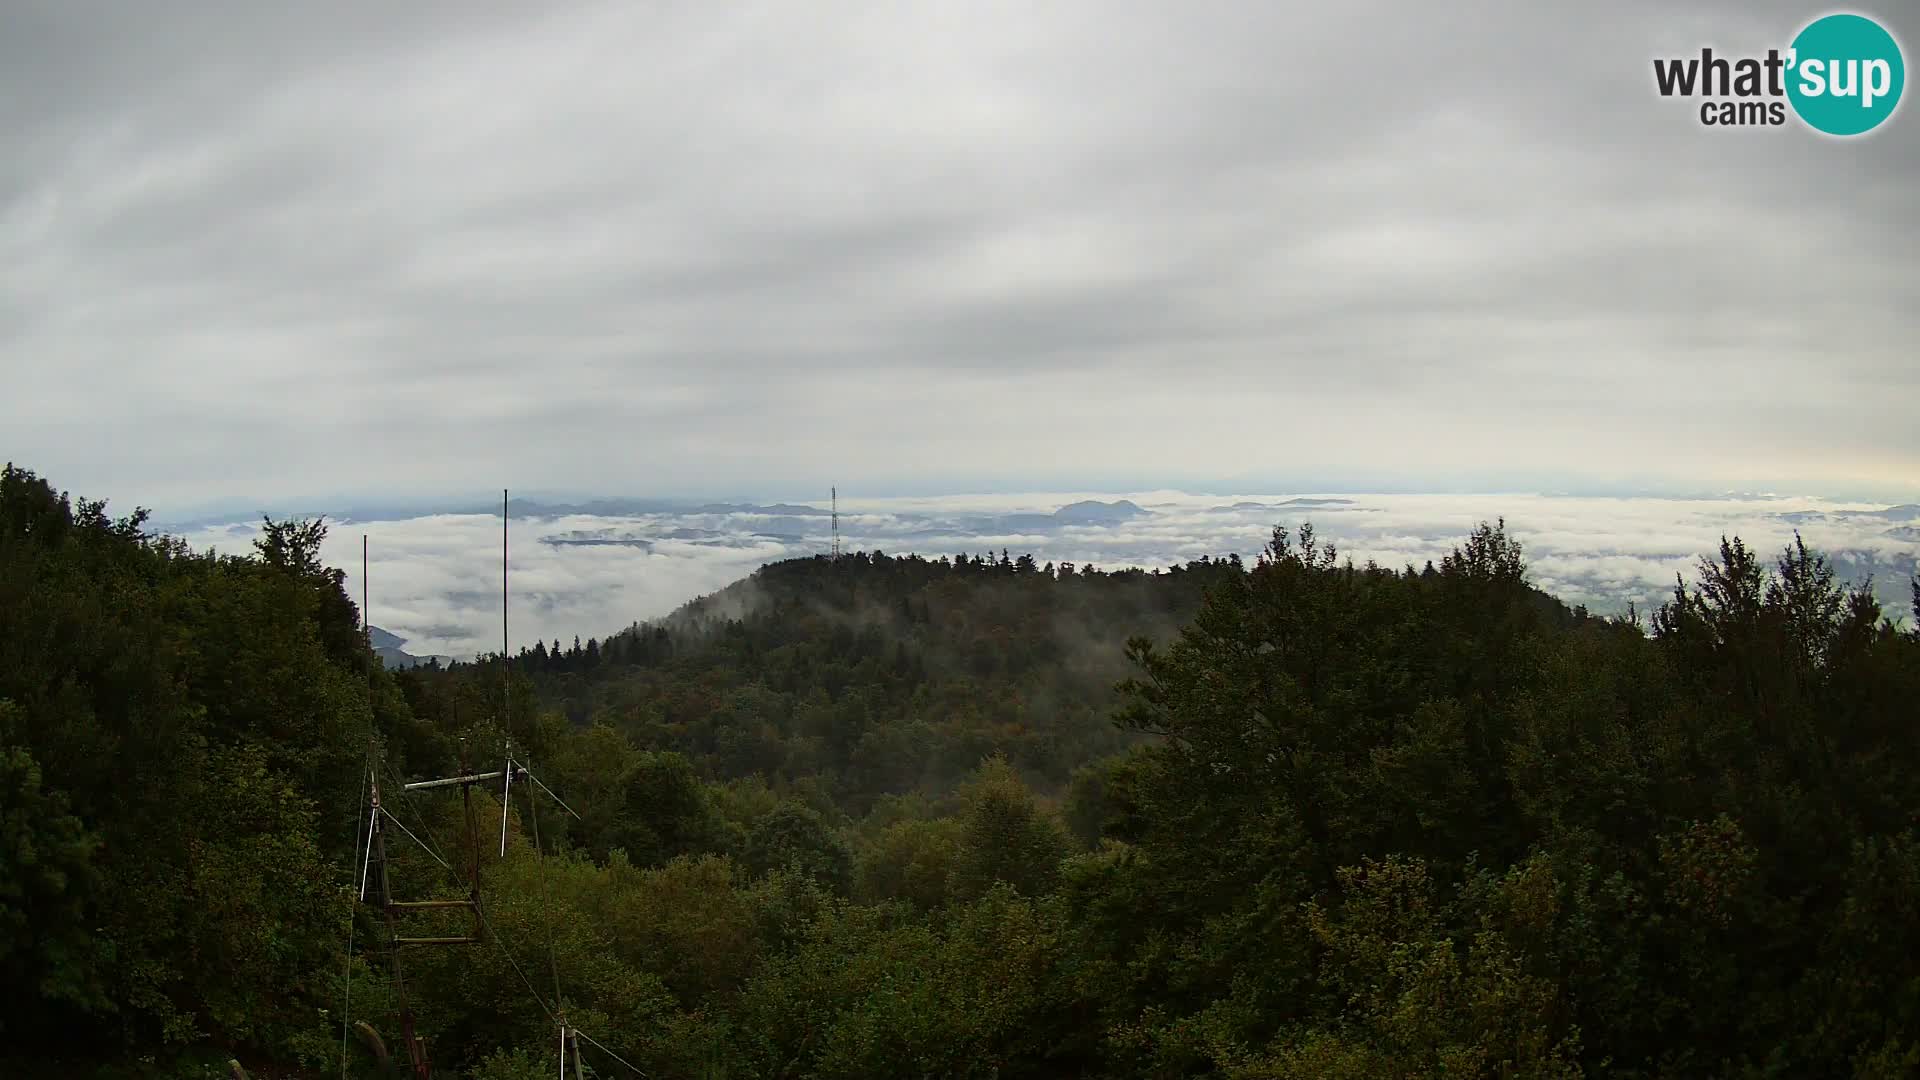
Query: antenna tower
[[506, 678], [374, 874], [375, 865], [836, 523]]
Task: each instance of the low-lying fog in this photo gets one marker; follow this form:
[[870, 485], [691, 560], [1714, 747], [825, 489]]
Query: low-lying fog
[[435, 579]]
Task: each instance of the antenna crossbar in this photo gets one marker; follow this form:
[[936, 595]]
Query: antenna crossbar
[[450, 781]]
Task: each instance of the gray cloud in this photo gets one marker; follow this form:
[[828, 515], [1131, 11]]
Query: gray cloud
[[683, 247]]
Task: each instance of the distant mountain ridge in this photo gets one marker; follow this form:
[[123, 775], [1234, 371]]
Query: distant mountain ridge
[[387, 646], [1085, 512], [1902, 512]]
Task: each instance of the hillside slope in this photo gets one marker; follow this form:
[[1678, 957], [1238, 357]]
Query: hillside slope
[[877, 674], [1340, 821]]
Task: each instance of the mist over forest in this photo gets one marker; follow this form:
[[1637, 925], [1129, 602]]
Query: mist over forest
[[862, 814], [591, 567]]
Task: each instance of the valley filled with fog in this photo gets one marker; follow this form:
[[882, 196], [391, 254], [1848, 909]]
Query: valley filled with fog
[[592, 568]]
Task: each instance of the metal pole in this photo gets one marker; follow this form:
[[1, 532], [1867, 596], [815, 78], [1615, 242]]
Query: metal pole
[[504, 793], [506, 680], [416, 1049], [353, 914], [473, 842], [373, 822], [452, 780]]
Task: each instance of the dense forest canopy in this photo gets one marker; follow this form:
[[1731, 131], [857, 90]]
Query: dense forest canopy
[[891, 816]]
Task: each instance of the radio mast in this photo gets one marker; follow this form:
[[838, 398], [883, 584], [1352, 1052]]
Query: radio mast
[[836, 524], [374, 876]]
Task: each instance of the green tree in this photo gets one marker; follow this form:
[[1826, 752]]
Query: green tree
[[794, 837], [1005, 836]]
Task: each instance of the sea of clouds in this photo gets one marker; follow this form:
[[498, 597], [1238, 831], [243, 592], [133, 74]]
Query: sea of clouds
[[434, 580]]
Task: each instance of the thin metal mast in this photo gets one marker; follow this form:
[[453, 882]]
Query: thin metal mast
[[391, 909], [506, 678], [836, 523], [416, 1046], [473, 844], [366, 622], [506, 683], [366, 775]]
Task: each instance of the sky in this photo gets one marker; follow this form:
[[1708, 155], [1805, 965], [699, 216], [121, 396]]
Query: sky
[[263, 250]]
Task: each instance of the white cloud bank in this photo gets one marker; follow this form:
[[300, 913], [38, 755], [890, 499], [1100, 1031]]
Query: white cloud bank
[[435, 580]]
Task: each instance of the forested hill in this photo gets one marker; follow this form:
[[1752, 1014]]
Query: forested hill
[[870, 674], [890, 817]]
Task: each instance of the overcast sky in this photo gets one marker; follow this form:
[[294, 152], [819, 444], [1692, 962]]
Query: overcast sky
[[250, 249]]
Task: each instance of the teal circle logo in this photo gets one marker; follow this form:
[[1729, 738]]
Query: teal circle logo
[[1845, 74]]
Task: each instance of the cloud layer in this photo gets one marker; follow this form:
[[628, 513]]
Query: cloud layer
[[435, 580]]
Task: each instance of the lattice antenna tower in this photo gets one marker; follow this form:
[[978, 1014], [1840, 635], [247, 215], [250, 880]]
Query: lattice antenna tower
[[377, 885], [836, 523]]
